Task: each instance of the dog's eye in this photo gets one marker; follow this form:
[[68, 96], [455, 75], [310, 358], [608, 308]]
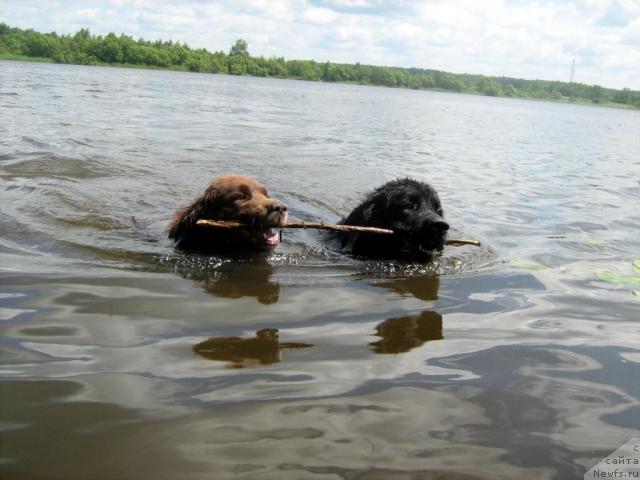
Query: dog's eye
[[238, 196], [244, 193]]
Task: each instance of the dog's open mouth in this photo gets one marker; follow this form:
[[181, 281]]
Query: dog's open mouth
[[271, 237], [263, 238], [418, 251], [260, 234], [420, 246]]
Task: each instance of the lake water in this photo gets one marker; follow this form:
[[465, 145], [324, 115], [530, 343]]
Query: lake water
[[518, 359]]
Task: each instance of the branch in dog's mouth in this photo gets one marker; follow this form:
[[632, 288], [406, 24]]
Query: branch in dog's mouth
[[323, 226]]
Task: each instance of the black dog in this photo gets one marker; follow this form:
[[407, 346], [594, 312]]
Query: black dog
[[411, 209]]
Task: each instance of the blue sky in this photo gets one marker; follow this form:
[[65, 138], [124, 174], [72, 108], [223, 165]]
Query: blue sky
[[518, 38]]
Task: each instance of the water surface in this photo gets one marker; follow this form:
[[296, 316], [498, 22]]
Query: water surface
[[123, 358]]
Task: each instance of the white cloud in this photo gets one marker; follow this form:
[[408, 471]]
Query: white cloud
[[516, 38], [319, 15], [351, 3]]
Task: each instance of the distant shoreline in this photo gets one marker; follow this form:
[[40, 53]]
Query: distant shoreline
[[575, 101], [83, 48]]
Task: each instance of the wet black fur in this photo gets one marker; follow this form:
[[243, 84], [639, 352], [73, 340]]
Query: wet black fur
[[410, 208]]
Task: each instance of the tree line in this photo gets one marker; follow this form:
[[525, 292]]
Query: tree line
[[86, 49]]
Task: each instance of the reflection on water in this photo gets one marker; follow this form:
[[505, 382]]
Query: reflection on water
[[264, 349], [401, 334], [420, 286], [244, 280], [404, 333], [499, 370], [225, 277]]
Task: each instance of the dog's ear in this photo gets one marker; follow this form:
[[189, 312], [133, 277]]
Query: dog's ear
[[361, 215], [367, 213], [206, 205], [211, 198]]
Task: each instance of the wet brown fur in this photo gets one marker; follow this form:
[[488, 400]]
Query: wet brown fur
[[228, 197]]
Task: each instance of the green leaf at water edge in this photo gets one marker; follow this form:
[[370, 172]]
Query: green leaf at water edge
[[616, 278], [636, 264], [636, 293], [528, 265]]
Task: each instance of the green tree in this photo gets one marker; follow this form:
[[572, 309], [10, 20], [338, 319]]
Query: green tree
[[239, 48], [39, 45], [108, 49], [382, 76], [509, 91], [237, 65], [488, 87], [276, 67], [597, 93], [304, 69], [426, 81], [622, 96], [448, 81], [82, 34]]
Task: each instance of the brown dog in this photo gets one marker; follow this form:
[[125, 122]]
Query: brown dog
[[230, 197]]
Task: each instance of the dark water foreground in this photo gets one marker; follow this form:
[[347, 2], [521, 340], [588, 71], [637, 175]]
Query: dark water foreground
[[124, 359]]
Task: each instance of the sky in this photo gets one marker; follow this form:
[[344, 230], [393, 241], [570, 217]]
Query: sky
[[516, 38]]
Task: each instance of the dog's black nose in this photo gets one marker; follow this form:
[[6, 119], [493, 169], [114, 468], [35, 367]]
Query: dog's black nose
[[432, 222], [441, 226], [277, 207]]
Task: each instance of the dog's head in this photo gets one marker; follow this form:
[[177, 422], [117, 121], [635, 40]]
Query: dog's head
[[232, 197], [410, 208]]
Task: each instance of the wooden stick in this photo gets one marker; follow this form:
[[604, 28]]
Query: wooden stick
[[327, 226], [220, 223], [458, 242], [318, 225]]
